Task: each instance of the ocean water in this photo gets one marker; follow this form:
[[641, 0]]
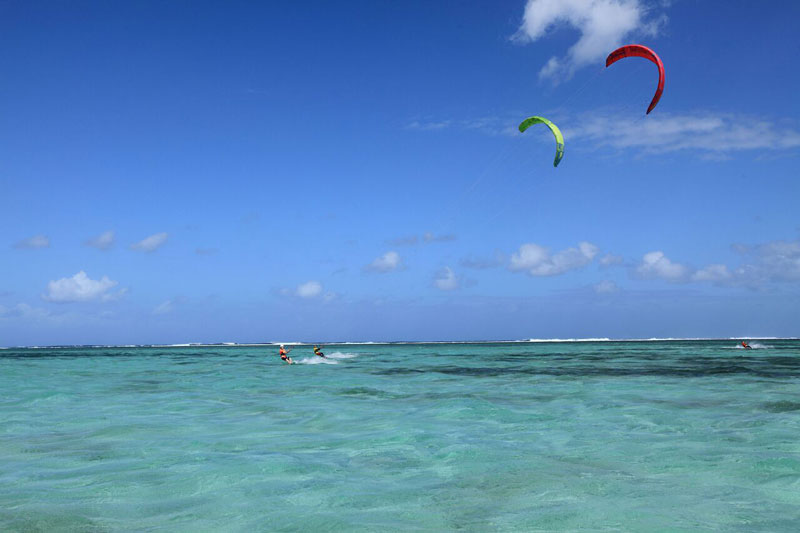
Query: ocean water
[[584, 436]]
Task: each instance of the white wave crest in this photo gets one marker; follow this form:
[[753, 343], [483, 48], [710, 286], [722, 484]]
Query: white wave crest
[[598, 339]]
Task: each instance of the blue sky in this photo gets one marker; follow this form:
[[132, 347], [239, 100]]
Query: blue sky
[[252, 172]]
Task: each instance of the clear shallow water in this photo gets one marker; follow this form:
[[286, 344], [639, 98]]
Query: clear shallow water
[[607, 436]]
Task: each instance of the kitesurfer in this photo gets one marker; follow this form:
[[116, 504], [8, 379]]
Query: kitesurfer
[[284, 353], [318, 351], [746, 346]]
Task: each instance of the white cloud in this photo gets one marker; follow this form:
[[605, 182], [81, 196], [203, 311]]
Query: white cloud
[[429, 125], [603, 26], [164, 308], [741, 248], [775, 261], [538, 261], [80, 288], [481, 263], [329, 297], [151, 243], [427, 237], [430, 237], [779, 260], [446, 280], [709, 133], [24, 311], [714, 273], [104, 241], [309, 289], [610, 259], [33, 243], [655, 265], [386, 263], [490, 125], [409, 240], [606, 287], [771, 262]]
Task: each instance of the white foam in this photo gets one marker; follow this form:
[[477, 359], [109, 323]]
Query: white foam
[[329, 359], [753, 346], [341, 355], [315, 361]]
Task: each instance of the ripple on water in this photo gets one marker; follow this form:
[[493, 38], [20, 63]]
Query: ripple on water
[[511, 437]]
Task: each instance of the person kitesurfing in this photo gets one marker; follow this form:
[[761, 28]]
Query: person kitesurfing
[[284, 353], [746, 346], [318, 351]]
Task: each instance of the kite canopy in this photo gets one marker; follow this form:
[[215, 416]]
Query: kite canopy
[[637, 50], [556, 133]]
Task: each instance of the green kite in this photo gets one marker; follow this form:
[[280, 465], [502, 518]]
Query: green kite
[[556, 133]]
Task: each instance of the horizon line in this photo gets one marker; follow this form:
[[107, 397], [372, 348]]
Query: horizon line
[[367, 343]]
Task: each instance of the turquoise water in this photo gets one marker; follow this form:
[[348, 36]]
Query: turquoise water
[[605, 436]]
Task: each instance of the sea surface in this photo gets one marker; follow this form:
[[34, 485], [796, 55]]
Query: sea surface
[[569, 436]]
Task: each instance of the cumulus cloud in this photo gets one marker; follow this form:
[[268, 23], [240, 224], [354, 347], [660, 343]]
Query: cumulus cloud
[[603, 25], [386, 263], [708, 133], [606, 287], [656, 265], [104, 241], [81, 288], [771, 262], [538, 261], [33, 243], [151, 243], [713, 273], [446, 280], [309, 289]]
